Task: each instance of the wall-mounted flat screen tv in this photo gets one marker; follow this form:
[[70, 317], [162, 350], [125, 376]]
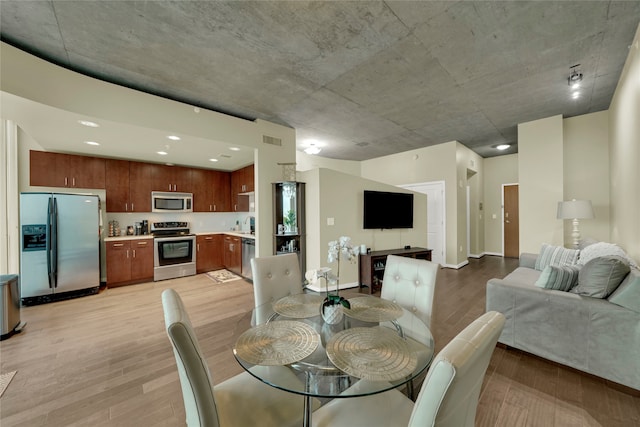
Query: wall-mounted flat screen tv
[[387, 210]]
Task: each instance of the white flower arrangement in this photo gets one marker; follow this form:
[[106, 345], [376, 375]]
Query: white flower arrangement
[[342, 248]]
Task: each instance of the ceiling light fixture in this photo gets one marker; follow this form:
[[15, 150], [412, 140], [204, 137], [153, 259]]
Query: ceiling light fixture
[[234, 149], [91, 143], [174, 137], [312, 148], [575, 95], [575, 76], [162, 153], [502, 147], [213, 160], [88, 123]]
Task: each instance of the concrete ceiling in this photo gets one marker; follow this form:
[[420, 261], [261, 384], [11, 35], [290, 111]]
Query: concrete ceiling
[[362, 78]]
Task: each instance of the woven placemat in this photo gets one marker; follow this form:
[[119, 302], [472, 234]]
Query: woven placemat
[[277, 343], [300, 306], [376, 354], [370, 309]]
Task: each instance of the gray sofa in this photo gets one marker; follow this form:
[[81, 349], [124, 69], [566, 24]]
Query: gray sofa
[[593, 335]]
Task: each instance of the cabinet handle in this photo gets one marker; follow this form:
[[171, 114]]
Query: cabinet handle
[[198, 246], [235, 208], [142, 243], [127, 253], [131, 207], [117, 245], [214, 208], [126, 207], [134, 253], [169, 187], [66, 181], [208, 238], [73, 182], [174, 187]]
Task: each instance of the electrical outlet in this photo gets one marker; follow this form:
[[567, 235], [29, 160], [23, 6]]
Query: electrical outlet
[[330, 221]]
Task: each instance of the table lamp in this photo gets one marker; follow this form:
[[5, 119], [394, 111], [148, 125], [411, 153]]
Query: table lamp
[[575, 210]]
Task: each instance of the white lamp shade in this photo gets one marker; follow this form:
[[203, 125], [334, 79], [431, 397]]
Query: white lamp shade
[[575, 209]]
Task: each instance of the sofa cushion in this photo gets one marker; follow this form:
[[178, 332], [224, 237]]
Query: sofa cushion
[[558, 277], [628, 293], [601, 276], [601, 249], [555, 255]]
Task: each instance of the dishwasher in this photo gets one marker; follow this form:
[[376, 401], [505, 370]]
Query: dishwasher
[[248, 252]]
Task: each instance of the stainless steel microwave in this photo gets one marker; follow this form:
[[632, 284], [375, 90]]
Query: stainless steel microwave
[[171, 202]]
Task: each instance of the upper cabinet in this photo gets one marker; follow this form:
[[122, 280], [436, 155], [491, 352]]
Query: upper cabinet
[[170, 178], [210, 190], [129, 184], [128, 187], [66, 170], [242, 181]]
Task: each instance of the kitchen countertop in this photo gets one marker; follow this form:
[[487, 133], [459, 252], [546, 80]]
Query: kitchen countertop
[[125, 237], [149, 236]]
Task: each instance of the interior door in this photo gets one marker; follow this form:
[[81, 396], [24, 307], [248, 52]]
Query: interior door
[[511, 221]]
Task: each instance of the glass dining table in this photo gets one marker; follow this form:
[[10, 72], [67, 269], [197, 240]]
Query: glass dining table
[[377, 346]]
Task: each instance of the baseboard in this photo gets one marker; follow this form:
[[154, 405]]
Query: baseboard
[[320, 286], [494, 253], [456, 267], [477, 255]]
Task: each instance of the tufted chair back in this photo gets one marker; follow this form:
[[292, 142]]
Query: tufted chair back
[[449, 395], [411, 283], [275, 277], [195, 378]]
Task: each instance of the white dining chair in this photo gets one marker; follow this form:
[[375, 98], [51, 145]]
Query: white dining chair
[[275, 276], [239, 401], [448, 397], [411, 283]]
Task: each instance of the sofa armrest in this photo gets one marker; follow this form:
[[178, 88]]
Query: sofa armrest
[[528, 259]]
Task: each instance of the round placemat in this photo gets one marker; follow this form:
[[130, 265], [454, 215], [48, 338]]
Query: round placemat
[[371, 309], [277, 343], [300, 306], [376, 354]]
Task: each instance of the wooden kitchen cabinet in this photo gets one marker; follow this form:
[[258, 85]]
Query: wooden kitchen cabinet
[[233, 253], [242, 181], [209, 252], [66, 170], [128, 187], [170, 178], [211, 190], [129, 262]]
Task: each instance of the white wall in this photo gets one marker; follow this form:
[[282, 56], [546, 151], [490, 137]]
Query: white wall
[[540, 168], [305, 162], [332, 194], [586, 172], [498, 171], [435, 163], [29, 77], [624, 143]]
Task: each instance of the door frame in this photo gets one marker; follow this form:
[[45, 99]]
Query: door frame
[[502, 208], [438, 186]]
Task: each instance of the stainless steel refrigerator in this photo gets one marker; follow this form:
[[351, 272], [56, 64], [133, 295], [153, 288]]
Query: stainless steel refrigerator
[[60, 246]]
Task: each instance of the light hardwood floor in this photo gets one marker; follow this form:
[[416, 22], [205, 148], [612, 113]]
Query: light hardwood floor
[[105, 360]]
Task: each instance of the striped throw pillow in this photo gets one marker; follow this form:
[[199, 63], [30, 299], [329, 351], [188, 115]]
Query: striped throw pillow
[[555, 255], [559, 277]]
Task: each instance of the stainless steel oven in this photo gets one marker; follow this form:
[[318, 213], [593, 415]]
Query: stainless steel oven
[[174, 252]]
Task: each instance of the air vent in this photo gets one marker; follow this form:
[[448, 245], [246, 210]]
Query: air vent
[[272, 140], [362, 144], [225, 156]]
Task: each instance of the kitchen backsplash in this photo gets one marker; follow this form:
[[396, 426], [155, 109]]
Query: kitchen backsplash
[[200, 222]]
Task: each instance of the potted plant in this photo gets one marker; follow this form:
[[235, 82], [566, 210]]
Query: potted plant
[[290, 220], [332, 305]]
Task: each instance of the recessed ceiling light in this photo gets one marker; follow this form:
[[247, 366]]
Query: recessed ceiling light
[[234, 149], [174, 137], [502, 147], [575, 95], [575, 86], [213, 160], [88, 123], [91, 143], [162, 153]]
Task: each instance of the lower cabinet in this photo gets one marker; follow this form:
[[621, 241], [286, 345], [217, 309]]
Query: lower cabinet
[[129, 261], [209, 252], [233, 254]]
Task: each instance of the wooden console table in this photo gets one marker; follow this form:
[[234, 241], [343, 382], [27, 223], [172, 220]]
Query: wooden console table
[[372, 265]]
